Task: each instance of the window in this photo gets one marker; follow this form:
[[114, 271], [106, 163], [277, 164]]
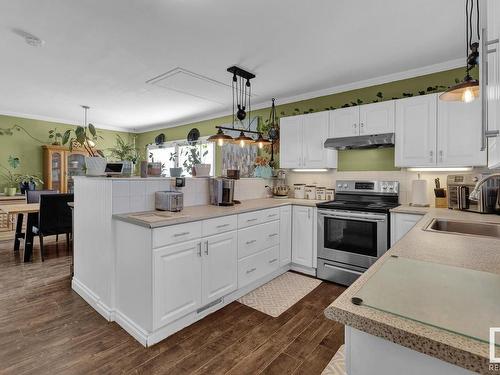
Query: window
[[177, 154]]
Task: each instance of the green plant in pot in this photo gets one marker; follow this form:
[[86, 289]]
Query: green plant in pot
[[86, 137], [27, 182], [55, 137], [175, 171], [7, 174], [125, 152], [193, 162]]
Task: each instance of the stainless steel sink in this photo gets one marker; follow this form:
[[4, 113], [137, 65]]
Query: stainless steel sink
[[464, 227]]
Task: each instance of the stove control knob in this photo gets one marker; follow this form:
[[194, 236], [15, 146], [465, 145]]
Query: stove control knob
[[384, 187], [339, 186], [391, 187], [346, 186]]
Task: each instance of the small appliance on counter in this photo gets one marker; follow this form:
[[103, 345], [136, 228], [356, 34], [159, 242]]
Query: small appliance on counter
[[461, 185], [221, 191], [118, 169], [172, 201], [233, 174]]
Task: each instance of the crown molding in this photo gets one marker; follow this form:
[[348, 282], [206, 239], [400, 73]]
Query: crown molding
[[65, 121], [412, 73]]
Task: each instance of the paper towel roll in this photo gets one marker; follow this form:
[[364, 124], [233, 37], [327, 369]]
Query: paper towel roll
[[419, 193]]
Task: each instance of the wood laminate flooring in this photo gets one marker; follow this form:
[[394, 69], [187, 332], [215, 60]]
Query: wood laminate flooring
[[46, 328]]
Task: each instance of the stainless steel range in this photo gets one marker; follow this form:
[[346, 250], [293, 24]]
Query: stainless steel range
[[353, 229]]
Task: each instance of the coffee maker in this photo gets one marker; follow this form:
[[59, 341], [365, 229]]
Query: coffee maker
[[221, 191]]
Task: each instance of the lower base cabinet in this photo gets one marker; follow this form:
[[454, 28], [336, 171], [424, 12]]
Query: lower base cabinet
[[401, 224], [303, 236], [257, 265]]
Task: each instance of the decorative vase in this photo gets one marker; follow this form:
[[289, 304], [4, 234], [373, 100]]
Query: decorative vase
[[11, 191], [201, 170], [27, 186], [5, 190], [96, 165], [175, 172], [263, 171]]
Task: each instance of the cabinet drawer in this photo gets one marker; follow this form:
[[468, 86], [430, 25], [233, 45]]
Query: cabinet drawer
[[252, 268], [258, 217], [256, 238], [270, 214], [176, 233], [272, 259], [219, 225]]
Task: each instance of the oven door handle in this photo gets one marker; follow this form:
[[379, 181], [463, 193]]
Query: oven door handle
[[373, 218]]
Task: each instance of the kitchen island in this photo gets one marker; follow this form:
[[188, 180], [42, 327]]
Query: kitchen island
[[379, 342]]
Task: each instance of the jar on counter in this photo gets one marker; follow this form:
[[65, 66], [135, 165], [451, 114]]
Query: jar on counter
[[320, 193], [310, 192], [329, 194], [299, 191]]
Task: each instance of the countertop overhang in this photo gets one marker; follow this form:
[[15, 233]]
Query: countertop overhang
[[472, 252]]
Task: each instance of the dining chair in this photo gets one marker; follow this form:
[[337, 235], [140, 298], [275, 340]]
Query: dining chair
[[54, 217]]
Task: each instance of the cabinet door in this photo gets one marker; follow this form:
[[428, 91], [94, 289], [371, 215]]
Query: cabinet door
[[291, 142], [220, 266], [416, 120], [401, 224], [459, 134], [344, 122], [314, 135], [176, 281], [376, 118], [302, 236], [285, 235], [493, 88]]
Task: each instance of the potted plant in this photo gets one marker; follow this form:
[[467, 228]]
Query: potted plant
[[10, 189], [193, 162], [175, 171], [27, 182], [55, 137], [124, 151], [86, 137]]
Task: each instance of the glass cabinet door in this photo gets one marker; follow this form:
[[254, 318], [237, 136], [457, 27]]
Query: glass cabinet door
[[56, 171], [76, 167]]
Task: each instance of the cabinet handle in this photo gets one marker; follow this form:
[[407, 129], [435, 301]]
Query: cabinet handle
[[361, 127], [441, 155], [250, 220], [431, 155], [273, 234], [308, 214], [181, 234], [206, 247], [222, 226], [251, 270], [251, 242], [273, 260], [354, 127], [272, 215], [199, 249]]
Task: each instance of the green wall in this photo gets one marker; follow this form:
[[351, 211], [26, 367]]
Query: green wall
[[29, 150], [354, 160]]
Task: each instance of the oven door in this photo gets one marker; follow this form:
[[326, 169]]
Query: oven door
[[355, 238]]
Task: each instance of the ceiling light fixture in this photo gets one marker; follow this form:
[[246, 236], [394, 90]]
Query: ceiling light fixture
[[261, 141], [220, 138], [467, 90], [29, 38]]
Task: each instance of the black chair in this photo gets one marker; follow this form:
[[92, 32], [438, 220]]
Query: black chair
[[33, 196], [54, 217]]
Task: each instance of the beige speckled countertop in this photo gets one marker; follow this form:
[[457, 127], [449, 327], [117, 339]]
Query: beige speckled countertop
[[195, 213], [472, 252], [407, 209]]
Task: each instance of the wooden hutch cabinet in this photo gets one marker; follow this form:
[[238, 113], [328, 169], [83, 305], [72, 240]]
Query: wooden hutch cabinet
[[60, 165]]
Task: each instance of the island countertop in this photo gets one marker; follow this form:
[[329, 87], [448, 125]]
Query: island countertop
[[195, 213], [466, 251]]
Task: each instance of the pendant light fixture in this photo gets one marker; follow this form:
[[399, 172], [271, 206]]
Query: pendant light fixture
[[261, 141], [467, 90], [220, 138]]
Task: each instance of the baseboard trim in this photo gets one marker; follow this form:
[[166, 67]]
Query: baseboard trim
[[92, 299], [302, 269], [133, 329]]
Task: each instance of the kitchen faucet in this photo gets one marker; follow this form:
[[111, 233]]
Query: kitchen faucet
[[476, 193]]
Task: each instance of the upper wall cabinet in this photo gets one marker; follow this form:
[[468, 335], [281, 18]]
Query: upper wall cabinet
[[431, 132], [375, 118], [302, 141], [493, 81]]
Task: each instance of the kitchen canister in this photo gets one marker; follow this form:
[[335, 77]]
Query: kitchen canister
[[320, 193], [329, 194], [310, 192], [299, 191]]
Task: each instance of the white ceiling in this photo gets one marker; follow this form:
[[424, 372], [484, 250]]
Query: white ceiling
[[101, 53]]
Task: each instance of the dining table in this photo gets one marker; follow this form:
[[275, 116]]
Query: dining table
[[21, 209]]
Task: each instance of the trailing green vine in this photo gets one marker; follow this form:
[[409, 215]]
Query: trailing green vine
[[19, 128]]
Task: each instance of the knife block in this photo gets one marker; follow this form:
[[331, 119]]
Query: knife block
[[441, 202]]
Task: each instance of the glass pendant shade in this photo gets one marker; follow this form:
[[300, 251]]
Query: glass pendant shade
[[243, 140], [220, 138], [466, 91]]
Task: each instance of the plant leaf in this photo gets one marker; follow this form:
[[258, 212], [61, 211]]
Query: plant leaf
[[92, 130]]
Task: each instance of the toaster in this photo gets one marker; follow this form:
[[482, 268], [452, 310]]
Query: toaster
[[169, 201]]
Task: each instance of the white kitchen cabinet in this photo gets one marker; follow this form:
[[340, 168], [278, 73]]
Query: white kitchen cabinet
[[459, 134], [302, 236], [344, 122], [401, 224], [220, 262], [285, 251], [377, 118], [493, 81], [177, 271], [302, 141], [416, 120]]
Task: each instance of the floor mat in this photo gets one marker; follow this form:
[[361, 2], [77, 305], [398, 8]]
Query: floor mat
[[337, 364], [278, 295]]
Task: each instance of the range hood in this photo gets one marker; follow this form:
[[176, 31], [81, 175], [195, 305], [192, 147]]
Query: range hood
[[361, 142]]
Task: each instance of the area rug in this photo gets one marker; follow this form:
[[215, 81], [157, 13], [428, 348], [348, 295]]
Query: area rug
[[337, 364], [279, 294]]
